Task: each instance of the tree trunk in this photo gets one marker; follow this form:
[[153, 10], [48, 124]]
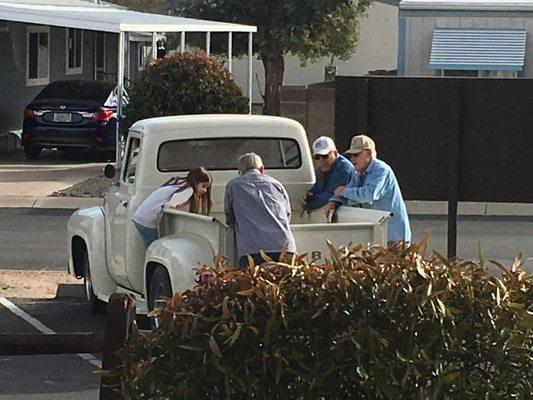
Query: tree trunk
[[274, 69]]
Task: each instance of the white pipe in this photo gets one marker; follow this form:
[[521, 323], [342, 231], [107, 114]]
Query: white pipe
[[208, 42], [120, 88], [250, 66], [230, 51], [182, 43], [154, 45]]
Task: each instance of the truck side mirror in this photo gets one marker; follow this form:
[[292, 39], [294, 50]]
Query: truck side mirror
[[109, 171]]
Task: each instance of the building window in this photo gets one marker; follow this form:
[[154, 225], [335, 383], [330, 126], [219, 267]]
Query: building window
[[145, 54], [498, 74], [477, 74], [38, 56], [74, 51]]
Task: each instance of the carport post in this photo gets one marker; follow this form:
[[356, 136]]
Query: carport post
[[250, 65], [154, 45], [120, 90], [230, 51], [208, 42], [182, 42]]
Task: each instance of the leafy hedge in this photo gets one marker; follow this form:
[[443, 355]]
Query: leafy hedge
[[370, 324], [184, 83]]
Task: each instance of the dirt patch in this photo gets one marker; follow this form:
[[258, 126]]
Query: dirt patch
[[32, 284], [93, 187]]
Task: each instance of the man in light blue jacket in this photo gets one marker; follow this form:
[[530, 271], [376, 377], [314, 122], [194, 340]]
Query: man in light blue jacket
[[374, 186]]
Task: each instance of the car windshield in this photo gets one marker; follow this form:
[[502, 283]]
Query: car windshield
[[93, 91], [222, 154]]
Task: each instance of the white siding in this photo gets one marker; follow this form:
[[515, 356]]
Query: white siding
[[419, 32]]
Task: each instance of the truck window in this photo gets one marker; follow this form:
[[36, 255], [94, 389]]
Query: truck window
[[222, 153], [131, 160]]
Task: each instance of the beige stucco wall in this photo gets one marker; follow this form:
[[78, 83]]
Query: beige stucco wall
[[377, 49]]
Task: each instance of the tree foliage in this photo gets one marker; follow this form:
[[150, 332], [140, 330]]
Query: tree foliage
[[184, 83], [309, 29], [151, 6], [366, 325]]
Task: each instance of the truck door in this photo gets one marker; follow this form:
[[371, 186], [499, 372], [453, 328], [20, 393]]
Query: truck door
[[117, 212]]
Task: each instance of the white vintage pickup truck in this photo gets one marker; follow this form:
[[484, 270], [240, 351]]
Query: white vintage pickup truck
[[106, 250]]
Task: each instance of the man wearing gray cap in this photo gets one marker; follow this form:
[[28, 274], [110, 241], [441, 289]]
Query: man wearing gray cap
[[375, 186], [333, 170], [257, 206]]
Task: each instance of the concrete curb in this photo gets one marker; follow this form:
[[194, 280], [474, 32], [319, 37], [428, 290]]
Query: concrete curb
[[471, 209], [49, 202], [70, 290], [413, 207]]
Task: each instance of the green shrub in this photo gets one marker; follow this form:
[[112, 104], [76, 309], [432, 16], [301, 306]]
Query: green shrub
[[184, 83], [378, 324]]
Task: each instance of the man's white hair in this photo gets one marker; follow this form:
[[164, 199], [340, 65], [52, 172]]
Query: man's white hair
[[249, 161]]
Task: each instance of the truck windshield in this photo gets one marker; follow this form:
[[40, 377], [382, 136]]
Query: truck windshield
[[222, 154]]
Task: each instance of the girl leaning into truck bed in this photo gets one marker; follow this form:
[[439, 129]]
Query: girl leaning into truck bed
[[192, 193]]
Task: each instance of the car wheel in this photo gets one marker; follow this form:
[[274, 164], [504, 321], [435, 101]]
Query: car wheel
[[159, 287], [32, 152], [96, 305]]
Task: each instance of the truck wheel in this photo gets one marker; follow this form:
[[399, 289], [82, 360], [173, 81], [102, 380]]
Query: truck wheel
[[96, 305], [159, 287], [32, 152]]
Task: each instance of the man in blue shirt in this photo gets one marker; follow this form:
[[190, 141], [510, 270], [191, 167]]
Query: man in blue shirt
[[333, 170], [257, 206], [375, 186]]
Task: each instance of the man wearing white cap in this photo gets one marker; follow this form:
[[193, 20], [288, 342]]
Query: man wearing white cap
[[333, 170], [375, 186]]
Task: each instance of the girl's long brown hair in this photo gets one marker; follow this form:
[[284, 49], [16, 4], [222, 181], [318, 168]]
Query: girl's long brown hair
[[197, 204]]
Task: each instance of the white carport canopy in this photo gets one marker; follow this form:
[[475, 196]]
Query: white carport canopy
[[108, 19], [111, 18]]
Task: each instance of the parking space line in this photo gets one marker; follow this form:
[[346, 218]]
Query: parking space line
[[43, 328]]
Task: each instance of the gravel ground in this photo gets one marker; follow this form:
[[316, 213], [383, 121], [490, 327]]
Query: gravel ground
[[32, 284], [92, 187]]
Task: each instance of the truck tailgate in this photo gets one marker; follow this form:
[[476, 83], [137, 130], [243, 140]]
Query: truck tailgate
[[311, 238]]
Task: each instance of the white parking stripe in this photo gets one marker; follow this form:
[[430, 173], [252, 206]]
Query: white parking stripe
[[43, 328]]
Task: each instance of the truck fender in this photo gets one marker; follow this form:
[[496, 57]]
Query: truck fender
[[86, 230], [180, 256]]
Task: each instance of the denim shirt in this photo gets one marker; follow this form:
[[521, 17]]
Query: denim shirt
[[340, 174], [378, 189], [258, 207]]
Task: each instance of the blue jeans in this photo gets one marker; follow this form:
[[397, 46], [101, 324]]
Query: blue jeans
[[243, 261], [148, 235]]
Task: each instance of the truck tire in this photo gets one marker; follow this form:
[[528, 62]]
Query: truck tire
[[159, 287], [97, 306]]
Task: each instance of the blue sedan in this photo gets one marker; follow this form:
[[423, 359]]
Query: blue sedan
[[71, 114]]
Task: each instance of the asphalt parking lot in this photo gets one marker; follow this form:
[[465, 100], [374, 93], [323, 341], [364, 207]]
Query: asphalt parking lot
[[47, 377]]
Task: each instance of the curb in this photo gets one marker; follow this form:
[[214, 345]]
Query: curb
[[432, 208], [70, 290], [49, 202], [471, 209]]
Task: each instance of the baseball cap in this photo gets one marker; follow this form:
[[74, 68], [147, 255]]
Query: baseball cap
[[360, 143], [323, 145]]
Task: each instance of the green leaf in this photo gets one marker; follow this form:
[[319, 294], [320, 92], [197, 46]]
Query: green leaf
[[214, 347]]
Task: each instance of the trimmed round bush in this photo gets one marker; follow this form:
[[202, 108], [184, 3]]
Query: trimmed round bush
[[369, 324], [183, 83]]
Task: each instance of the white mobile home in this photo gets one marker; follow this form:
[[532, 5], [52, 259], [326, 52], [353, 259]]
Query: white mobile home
[[49, 40]]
